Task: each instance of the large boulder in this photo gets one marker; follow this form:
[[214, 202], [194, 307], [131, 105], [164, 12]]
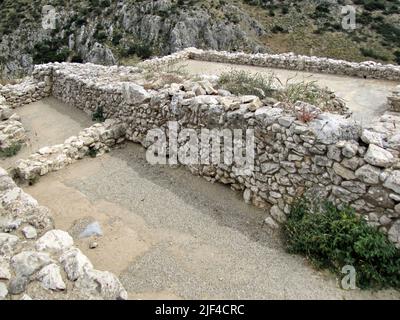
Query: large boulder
[[332, 128], [134, 94], [101, 54]]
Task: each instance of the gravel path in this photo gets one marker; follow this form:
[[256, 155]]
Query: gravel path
[[169, 234]]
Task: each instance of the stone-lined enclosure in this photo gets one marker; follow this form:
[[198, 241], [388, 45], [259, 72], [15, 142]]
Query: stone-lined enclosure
[[330, 155], [38, 261]]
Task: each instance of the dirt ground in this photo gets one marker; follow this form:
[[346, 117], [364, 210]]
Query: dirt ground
[[365, 97], [171, 235], [47, 122]]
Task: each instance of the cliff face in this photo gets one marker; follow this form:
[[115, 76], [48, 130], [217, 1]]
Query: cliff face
[[124, 28], [109, 32]]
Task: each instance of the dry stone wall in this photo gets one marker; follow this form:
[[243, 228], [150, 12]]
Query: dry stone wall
[[25, 92], [331, 156], [93, 141], [12, 133], [394, 100], [290, 61]]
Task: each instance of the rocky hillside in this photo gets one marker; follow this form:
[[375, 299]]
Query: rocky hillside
[[109, 32]]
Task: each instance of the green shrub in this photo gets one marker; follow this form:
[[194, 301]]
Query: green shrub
[[77, 58], [49, 51], [92, 152], [278, 29], [321, 11], [240, 82], [33, 180], [139, 49], [397, 56], [285, 9], [389, 32], [98, 115], [10, 151], [332, 238], [117, 37], [371, 53], [372, 5]]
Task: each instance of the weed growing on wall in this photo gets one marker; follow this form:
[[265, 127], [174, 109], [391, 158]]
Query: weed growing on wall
[[10, 151], [92, 152], [98, 115]]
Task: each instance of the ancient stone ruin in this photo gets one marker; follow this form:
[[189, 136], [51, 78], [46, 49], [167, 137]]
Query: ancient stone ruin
[[332, 155]]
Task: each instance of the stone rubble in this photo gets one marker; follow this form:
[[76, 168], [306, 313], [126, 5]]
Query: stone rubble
[[290, 61], [27, 91], [49, 267], [11, 130]]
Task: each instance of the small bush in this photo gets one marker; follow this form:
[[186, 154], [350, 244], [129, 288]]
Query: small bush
[[76, 58], [33, 180], [371, 53], [92, 152], [389, 32], [321, 11], [373, 5], [397, 56], [10, 151], [142, 50], [50, 51], [98, 115], [278, 29], [332, 238], [158, 76], [305, 115], [240, 82]]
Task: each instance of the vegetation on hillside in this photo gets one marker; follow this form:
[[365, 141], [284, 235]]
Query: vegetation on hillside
[[314, 27], [310, 27]]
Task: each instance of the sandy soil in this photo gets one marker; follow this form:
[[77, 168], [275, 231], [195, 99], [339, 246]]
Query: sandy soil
[[169, 234], [365, 97], [47, 122]]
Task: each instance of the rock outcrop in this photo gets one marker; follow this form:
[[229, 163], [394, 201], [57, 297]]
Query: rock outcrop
[[162, 25]]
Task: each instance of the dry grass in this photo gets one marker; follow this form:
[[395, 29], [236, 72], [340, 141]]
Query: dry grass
[[242, 82], [304, 91], [131, 61], [159, 76], [263, 85], [4, 82]]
